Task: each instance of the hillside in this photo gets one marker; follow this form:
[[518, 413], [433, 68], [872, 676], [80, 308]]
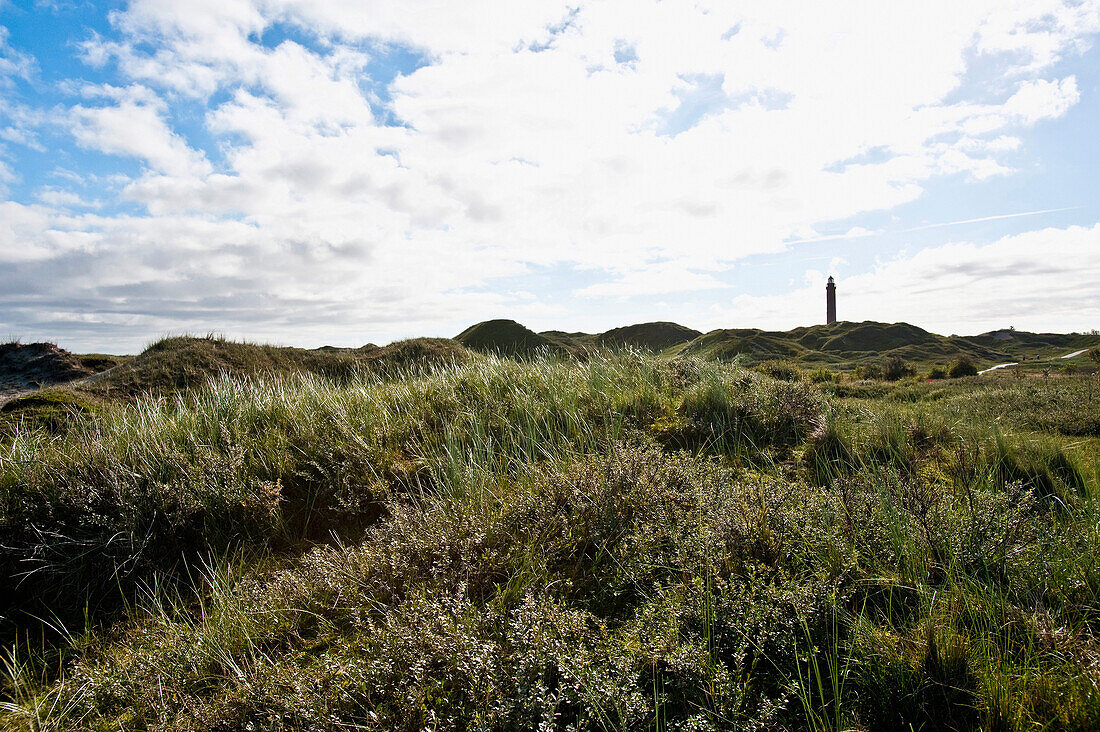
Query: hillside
[[573, 342], [507, 338], [651, 336], [749, 343], [33, 365], [185, 362], [619, 542], [842, 344], [1031, 346]]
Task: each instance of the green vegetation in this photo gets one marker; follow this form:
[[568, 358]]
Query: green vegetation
[[183, 362], [866, 350], [509, 338], [841, 345], [781, 370], [434, 538], [847, 345], [896, 368], [962, 367], [648, 336], [50, 409]]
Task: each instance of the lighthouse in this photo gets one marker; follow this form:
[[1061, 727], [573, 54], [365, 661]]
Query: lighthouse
[[830, 302]]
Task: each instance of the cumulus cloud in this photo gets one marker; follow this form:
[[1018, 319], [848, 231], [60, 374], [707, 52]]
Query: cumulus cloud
[[613, 137], [658, 278], [1043, 99], [134, 126]]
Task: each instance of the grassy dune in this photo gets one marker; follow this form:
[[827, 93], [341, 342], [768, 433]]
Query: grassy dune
[[620, 542]]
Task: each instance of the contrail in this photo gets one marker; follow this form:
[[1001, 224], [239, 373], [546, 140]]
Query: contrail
[[986, 218], [881, 232]]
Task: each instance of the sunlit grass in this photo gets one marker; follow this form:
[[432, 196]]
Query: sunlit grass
[[618, 542]]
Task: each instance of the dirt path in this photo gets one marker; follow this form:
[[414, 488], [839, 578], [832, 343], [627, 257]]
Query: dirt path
[[998, 366]]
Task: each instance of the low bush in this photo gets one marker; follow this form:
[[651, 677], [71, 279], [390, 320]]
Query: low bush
[[895, 368], [821, 376], [747, 409], [622, 542], [780, 370], [963, 367], [869, 371]]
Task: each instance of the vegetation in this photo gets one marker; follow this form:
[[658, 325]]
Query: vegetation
[[896, 368], [649, 336], [841, 345], [179, 363], [962, 367], [51, 410], [781, 370], [624, 541], [867, 350], [33, 365], [509, 338]]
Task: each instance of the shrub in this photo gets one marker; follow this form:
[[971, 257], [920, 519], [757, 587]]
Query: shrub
[[750, 408], [530, 559], [963, 366], [867, 371], [1094, 355], [896, 368], [937, 372], [781, 370], [821, 376], [52, 409]]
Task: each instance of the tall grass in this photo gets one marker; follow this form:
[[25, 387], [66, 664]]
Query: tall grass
[[271, 461], [622, 542]]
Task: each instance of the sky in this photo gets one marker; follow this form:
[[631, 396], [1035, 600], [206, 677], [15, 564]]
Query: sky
[[311, 172]]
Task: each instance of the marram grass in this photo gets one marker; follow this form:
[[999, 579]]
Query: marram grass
[[619, 542]]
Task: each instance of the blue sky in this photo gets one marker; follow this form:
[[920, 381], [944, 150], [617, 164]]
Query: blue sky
[[328, 172]]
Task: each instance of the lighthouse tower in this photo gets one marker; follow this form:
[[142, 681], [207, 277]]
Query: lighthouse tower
[[830, 302]]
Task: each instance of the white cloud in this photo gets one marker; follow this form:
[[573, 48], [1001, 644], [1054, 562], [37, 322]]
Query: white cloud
[[60, 198], [1043, 99], [659, 278], [13, 63], [531, 138], [1027, 280], [135, 127]]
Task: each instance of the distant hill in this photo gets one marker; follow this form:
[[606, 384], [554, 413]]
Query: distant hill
[[511, 338], [414, 352], [183, 362], [1033, 345], [843, 344], [25, 366], [570, 341], [508, 338], [749, 343], [838, 345], [652, 336]]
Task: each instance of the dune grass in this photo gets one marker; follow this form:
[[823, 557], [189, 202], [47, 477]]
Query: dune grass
[[621, 542]]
